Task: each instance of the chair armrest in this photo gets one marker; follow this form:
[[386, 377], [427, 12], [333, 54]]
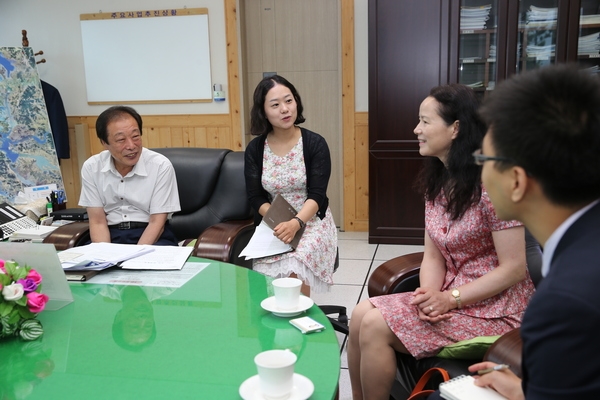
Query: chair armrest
[[507, 350], [69, 235], [387, 278], [221, 241]]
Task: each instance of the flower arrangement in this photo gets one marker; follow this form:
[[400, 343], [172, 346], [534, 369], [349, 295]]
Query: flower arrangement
[[20, 301]]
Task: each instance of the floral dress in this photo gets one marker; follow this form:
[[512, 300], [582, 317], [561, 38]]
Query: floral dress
[[469, 250], [314, 258]]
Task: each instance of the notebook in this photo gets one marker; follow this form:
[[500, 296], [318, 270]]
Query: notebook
[[281, 211], [43, 258], [463, 388]]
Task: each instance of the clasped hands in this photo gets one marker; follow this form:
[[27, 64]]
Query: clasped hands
[[433, 305], [285, 231]]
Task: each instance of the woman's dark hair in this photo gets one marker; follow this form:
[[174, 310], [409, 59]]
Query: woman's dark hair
[[111, 114], [460, 179], [259, 124]]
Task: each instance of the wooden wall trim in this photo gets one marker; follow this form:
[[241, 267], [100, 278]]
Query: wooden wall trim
[[348, 106], [233, 75]]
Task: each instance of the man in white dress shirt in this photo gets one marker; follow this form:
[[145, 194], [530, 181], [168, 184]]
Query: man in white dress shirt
[[129, 191]]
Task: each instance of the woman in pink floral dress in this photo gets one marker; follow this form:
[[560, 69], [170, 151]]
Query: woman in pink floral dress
[[473, 277], [295, 163]]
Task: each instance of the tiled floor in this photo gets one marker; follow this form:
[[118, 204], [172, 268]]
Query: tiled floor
[[358, 259]]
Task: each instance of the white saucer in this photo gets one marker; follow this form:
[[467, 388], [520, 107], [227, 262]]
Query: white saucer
[[304, 304], [302, 390]]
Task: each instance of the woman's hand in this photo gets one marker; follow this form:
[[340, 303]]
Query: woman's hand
[[432, 304], [504, 382], [285, 231]]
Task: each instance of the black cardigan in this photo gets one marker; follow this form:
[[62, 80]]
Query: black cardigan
[[318, 169]]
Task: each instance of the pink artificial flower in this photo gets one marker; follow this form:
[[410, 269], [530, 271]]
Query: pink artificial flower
[[33, 274], [1, 264], [36, 302]]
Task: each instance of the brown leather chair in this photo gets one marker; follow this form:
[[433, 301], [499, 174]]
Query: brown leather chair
[[401, 274], [214, 205]]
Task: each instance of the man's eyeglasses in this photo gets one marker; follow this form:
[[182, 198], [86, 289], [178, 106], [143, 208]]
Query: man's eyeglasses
[[479, 158]]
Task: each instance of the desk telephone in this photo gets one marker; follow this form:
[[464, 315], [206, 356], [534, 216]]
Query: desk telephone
[[12, 220]]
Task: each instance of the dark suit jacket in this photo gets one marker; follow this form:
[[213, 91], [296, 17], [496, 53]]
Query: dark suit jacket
[[58, 120], [561, 327]]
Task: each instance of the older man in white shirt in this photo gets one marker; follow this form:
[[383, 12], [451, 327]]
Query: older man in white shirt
[[129, 191]]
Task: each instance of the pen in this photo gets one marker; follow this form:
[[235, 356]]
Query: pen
[[498, 367]]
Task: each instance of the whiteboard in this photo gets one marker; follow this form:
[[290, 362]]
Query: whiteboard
[[147, 56]]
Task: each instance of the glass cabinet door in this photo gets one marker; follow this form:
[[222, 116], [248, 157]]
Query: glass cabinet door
[[536, 45], [477, 44], [588, 48]]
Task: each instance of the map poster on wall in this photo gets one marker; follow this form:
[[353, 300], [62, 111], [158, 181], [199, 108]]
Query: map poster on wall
[[27, 152]]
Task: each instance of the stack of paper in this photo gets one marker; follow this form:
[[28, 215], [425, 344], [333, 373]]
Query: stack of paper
[[538, 17], [474, 18], [589, 19], [162, 258], [543, 52], [98, 256], [37, 233], [589, 44]]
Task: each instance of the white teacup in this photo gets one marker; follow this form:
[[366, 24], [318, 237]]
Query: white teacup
[[287, 293], [276, 373]]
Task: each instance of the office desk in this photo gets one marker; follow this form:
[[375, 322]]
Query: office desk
[[196, 342]]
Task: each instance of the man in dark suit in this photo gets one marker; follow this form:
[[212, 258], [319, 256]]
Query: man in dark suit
[[543, 168], [541, 165]]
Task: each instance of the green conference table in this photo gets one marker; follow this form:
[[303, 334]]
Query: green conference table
[[196, 342]]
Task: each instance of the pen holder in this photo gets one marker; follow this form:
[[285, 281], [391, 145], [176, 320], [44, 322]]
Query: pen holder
[[58, 207]]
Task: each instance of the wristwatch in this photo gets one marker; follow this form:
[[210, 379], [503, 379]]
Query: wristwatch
[[456, 294], [302, 224]]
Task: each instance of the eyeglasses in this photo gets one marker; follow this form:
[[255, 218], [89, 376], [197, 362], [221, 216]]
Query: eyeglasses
[[479, 158]]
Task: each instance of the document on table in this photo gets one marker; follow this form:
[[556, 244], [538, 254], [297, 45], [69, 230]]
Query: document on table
[[174, 279], [163, 257], [99, 256], [263, 244]]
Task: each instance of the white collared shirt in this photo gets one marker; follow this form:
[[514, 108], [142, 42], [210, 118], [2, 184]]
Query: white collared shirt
[[149, 188], [554, 239]]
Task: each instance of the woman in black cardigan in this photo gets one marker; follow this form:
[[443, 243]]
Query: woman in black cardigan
[[295, 163]]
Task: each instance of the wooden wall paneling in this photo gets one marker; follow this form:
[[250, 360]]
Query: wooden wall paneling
[[361, 187], [177, 137], [200, 139]]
